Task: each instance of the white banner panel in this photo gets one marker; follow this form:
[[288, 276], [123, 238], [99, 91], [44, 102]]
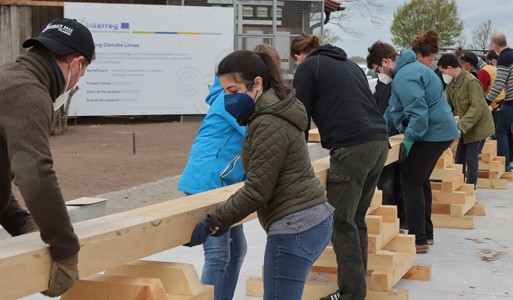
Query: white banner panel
[[150, 59]]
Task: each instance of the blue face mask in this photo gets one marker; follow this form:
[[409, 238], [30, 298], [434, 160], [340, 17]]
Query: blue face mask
[[239, 105]]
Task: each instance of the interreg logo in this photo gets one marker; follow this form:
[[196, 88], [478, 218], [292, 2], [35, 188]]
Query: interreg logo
[[64, 29], [107, 26]]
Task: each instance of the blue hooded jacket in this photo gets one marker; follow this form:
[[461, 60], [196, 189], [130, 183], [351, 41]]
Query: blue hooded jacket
[[213, 159], [418, 107]]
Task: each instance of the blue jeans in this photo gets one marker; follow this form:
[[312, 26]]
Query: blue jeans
[[502, 131], [223, 259], [289, 257], [468, 156]]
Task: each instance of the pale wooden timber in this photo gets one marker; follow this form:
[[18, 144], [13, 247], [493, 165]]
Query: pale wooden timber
[[453, 199], [108, 241], [116, 239], [31, 3], [179, 280], [111, 287], [491, 168], [314, 136]]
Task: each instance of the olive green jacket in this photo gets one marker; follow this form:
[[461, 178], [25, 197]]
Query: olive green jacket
[[280, 177], [465, 94]]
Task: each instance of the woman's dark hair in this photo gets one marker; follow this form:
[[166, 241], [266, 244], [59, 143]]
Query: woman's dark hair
[[378, 51], [246, 65], [304, 43], [426, 43], [491, 55], [448, 60]]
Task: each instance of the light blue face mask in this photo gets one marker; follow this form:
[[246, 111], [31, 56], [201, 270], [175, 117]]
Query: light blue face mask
[[239, 105]]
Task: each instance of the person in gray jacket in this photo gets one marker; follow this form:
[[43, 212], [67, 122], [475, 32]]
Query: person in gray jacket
[[280, 183]]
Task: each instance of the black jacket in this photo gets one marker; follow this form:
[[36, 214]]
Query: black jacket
[[382, 96], [336, 94]]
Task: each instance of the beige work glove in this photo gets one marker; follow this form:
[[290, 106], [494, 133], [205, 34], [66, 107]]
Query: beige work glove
[[63, 275], [29, 226]]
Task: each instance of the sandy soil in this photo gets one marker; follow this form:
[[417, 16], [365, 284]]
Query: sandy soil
[[96, 156]]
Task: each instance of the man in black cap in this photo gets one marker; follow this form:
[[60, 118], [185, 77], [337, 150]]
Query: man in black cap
[[28, 89]]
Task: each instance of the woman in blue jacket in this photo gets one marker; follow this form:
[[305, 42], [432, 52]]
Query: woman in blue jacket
[[214, 162], [418, 108]]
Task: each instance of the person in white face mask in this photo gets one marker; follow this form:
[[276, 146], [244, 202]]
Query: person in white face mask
[[418, 109], [29, 87], [465, 96]]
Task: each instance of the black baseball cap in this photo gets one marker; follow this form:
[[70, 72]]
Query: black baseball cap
[[65, 36]]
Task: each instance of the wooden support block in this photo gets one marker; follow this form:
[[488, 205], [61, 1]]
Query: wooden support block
[[179, 279], [419, 272], [387, 232], [388, 268], [314, 136], [446, 221], [508, 176], [395, 146], [374, 224], [452, 173], [404, 243], [444, 161], [451, 185], [455, 197], [459, 210], [468, 188], [494, 165], [110, 287], [477, 210], [389, 213], [485, 183]]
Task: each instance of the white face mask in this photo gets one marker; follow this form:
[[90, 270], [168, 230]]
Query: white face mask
[[384, 78], [64, 96], [447, 78]]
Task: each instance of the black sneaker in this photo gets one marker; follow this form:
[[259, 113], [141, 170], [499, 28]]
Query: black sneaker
[[334, 296]]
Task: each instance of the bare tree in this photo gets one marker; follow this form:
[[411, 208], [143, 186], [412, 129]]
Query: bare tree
[[481, 36], [330, 37], [342, 19]]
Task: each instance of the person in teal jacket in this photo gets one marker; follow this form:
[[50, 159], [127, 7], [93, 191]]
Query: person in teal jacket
[[214, 162], [418, 108]]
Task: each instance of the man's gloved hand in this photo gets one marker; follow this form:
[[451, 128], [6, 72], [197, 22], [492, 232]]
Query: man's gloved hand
[[63, 275], [404, 150], [29, 226], [202, 231]]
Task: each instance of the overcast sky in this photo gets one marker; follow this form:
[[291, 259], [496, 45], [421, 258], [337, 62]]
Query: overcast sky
[[472, 12]]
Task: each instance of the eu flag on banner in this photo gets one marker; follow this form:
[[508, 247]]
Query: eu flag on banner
[[125, 25]]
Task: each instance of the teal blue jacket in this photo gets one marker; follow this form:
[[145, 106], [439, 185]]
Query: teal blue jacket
[[418, 107]]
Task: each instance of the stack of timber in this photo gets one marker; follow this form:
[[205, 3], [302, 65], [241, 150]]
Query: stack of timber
[[391, 255], [454, 201], [492, 173], [148, 280]]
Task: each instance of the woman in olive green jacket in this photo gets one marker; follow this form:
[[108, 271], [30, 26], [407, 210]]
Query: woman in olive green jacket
[[280, 182], [465, 95]]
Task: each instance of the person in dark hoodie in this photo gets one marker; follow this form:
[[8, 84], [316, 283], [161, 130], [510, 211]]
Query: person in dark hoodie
[[336, 94], [280, 182], [28, 89]]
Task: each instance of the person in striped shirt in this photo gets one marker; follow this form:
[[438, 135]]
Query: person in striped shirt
[[504, 80]]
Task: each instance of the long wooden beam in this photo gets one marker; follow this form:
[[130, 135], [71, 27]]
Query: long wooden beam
[[120, 238], [31, 3]]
